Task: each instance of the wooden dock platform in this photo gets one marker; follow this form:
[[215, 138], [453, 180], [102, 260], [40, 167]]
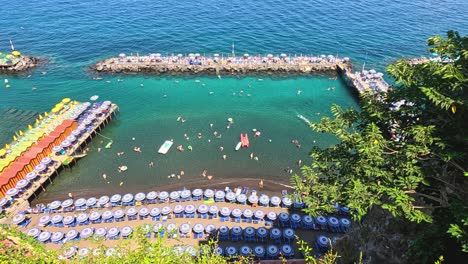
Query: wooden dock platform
[[364, 81], [60, 161]]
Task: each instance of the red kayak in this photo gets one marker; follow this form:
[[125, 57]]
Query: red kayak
[[244, 138]]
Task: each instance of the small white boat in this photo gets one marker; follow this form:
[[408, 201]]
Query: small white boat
[[94, 98], [238, 146], [304, 119], [165, 147]]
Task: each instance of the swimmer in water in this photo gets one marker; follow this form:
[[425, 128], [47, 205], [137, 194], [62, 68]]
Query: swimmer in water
[[299, 92], [221, 148], [224, 157]]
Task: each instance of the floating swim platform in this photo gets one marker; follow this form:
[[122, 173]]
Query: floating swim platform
[[165, 147], [244, 138]]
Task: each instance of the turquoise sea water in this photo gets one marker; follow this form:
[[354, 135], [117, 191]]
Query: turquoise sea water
[[73, 34]]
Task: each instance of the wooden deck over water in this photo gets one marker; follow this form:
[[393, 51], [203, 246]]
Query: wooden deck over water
[[23, 203]]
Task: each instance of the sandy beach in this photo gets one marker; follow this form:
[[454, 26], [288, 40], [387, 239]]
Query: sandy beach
[[307, 235]]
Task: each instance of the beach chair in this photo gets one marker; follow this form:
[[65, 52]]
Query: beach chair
[[26, 222]]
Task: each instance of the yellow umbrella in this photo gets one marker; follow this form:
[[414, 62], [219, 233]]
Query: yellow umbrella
[[7, 146], [37, 121], [20, 133], [16, 53], [66, 100], [40, 117], [55, 110], [2, 152], [15, 138], [59, 105], [29, 127], [45, 114]]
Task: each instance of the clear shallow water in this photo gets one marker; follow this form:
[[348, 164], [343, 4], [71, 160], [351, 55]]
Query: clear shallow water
[[74, 34]]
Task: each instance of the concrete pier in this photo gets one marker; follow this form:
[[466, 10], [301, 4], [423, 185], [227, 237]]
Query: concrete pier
[[219, 65]]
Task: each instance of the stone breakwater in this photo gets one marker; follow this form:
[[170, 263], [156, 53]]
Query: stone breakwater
[[24, 63], [218, 66]]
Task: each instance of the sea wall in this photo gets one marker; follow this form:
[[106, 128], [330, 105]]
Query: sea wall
[[24, 63], [218, 66]]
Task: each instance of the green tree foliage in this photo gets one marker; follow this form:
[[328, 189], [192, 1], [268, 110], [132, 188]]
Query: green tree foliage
[[419, 174]]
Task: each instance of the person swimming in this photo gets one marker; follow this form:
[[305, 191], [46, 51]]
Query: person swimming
[[137, 149]]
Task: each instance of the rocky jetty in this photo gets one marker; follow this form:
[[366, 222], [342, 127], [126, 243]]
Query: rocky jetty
[[218, 66], [22, 64]]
